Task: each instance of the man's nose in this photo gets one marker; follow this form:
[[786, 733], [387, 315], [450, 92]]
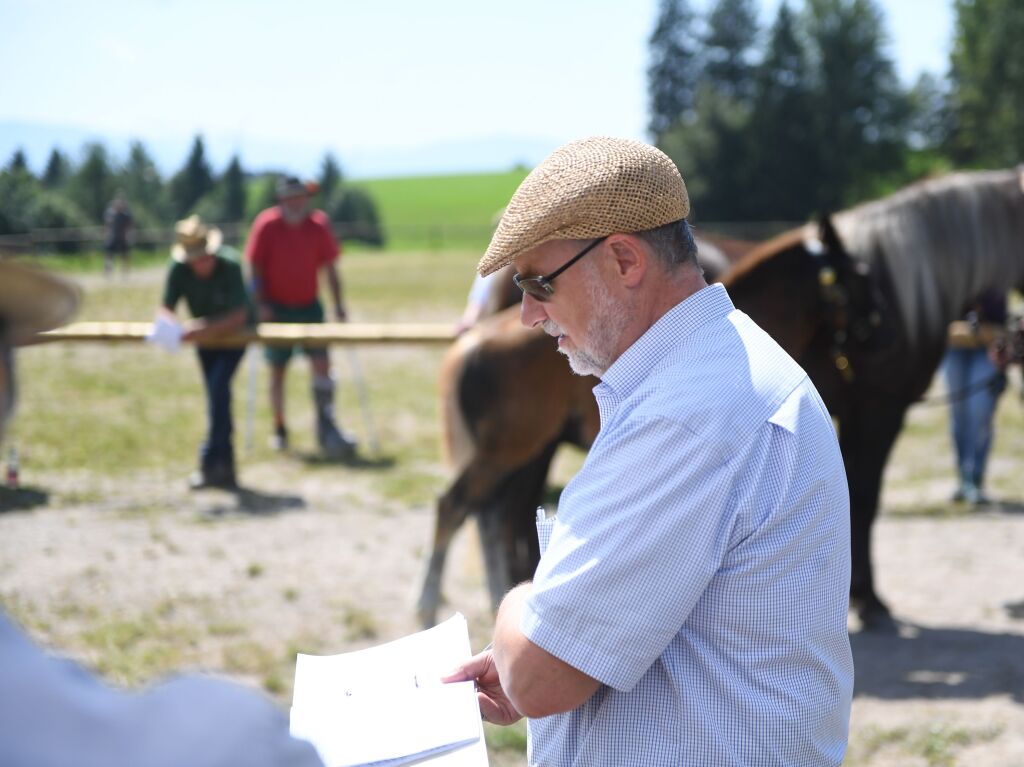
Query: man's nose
[[532, 312]]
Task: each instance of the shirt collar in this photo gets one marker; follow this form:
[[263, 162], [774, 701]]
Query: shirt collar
[[634, 364]]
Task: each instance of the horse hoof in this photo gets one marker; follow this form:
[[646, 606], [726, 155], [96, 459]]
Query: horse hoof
[[877, 620]]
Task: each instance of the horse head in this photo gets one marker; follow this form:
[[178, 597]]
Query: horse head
[[851, 304]]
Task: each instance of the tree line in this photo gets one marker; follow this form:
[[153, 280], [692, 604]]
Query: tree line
[[808, 115], [69, 195]]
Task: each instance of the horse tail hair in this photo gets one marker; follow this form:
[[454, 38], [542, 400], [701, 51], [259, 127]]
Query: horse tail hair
[[457, 438]]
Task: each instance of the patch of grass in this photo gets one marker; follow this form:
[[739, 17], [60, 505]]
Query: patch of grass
[[290, 594], [511, 738], [134, 650], [938, 745], [871, 740], [359, 623], [254, 570], [248, 657], [441, 211], [225, 629], [274, 684]]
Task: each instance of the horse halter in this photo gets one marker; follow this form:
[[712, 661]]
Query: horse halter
[[540, 288], [845, 322]]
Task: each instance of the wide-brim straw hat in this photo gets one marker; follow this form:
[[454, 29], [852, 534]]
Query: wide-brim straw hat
[[193, 238], [32, 301], [589, 188]]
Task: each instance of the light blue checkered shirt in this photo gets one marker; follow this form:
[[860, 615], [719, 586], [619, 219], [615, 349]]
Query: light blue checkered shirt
[[699, 565]]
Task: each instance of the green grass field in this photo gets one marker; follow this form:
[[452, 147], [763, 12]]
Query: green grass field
[[441, 211]]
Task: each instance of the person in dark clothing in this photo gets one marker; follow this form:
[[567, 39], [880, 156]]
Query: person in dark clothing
[[119, 223], [214, 290]]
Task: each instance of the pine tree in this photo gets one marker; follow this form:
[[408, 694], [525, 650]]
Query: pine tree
[[330, 178], [233, 185], [728, 48], [860, 108], [193, 181], [93, 185], [987, 73], [674, 66], [784, 170], [18, 162], [142, 185], [57, 170]]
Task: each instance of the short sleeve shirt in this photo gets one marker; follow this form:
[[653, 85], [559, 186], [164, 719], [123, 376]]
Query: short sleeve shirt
[[699, 564], [223, 291], [288, 258]]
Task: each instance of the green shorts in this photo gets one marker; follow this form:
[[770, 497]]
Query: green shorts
[[279, 355]]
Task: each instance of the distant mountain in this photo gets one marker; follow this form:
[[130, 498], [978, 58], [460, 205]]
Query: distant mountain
[[484, 154]]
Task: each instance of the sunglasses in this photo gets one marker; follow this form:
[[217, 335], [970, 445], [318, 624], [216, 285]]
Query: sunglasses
[[539, 288]]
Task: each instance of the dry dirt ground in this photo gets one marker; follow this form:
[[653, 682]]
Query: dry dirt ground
[[140, 577]]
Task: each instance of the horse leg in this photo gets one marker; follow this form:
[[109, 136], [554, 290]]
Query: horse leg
[[508, 534], [453, 507], [866, 440], [521, 521]]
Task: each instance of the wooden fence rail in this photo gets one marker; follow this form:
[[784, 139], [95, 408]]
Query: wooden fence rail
[[269, 333]]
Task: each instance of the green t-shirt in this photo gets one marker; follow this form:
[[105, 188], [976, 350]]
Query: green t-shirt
[[222, 292]]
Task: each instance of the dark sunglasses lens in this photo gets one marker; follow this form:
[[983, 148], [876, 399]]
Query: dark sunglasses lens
[[534, 288]]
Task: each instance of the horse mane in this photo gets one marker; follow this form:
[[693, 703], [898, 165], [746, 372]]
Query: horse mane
[[942, 241], [767, 251]]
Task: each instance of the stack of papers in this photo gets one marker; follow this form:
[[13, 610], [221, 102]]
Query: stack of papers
[[386, 705], [166, 333]]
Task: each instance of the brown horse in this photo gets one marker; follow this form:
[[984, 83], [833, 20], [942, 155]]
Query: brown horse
[[863, 304], [508, 401]]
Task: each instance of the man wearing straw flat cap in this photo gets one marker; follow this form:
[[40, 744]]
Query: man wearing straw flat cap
[[690, 604]]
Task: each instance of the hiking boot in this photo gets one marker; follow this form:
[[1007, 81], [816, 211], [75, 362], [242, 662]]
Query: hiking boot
[[279, 439], [333, 442], [202, 480], [221, 476]]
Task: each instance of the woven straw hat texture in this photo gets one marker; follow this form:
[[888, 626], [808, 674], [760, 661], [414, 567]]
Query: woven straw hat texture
[[32, 301], [589, 188]]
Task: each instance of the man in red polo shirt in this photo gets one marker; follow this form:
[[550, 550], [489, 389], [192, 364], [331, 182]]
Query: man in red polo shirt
[[288, 248]]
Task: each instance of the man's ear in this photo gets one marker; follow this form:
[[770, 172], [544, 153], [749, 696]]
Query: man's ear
[[630, 259]]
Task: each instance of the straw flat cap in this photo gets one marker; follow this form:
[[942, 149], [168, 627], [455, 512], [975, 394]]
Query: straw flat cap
[[589, 188], [32, 301]]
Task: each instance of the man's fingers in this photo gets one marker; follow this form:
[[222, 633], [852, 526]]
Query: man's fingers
[[471, 669]]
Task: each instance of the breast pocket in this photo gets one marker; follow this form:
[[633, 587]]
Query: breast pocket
[[545, 525]]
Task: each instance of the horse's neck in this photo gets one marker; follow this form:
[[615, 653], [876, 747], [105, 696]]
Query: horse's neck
[[942, 243]]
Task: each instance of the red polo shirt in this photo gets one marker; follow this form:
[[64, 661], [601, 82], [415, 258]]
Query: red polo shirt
[[288, 258]]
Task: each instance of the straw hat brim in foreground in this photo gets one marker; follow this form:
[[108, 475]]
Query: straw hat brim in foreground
[[32, 301], [589, 188]]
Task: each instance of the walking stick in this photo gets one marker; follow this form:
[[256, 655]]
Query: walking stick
[[250, 396], [364, 400]]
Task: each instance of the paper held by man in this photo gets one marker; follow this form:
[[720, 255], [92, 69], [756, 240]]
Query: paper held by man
[[386, 705]]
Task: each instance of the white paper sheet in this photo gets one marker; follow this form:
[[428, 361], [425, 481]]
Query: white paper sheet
[[166, 333], [386, 705]]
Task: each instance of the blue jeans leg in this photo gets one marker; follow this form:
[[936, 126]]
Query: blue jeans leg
[[218, 367], [968, 370]]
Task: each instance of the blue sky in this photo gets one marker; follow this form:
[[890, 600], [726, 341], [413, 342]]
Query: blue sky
[[362, 78]]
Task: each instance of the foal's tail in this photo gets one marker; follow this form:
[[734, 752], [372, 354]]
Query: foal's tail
[[457, 439]]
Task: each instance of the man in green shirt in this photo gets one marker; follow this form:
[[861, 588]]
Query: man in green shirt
[[214, 290]]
